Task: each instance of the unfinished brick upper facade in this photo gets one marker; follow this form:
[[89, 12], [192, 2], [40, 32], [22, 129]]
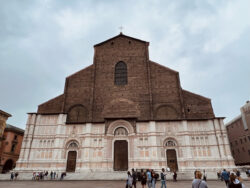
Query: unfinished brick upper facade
[[152, 92]]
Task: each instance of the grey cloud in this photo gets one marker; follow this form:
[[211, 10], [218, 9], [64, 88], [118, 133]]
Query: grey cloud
[[44, 41]]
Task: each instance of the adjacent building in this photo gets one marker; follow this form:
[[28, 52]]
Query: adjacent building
[[239, 136], [11, 146], [3, 118], [124, 111]]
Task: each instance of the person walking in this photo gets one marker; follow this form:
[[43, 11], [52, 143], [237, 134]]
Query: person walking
[[234, 182], [198, 182], [163, 178], [149, 179], [225, 177], [16, 175], [175, 176], [129, 180], [204, 175], [143, 179], [134, 176], [51, 175], [154, 178], [12, 176]]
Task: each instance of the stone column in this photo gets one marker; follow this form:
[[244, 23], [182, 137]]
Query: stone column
[[88, 142], [153, 144], [187, 138]]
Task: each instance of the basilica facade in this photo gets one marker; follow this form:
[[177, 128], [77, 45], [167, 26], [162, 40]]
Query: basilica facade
[[124, 111]]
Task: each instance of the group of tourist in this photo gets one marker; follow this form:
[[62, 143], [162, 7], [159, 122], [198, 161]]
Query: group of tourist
[[44, 175], [148, 178], [231, 179], [13, 176]]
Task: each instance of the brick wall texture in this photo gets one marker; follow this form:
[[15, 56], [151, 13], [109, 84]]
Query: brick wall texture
[[152, 92]]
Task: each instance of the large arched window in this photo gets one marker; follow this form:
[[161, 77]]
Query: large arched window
[[77, 114], [121, 77]]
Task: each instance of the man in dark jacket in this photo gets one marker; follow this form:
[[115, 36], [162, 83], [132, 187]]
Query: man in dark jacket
[[134, 176], [225, 176]]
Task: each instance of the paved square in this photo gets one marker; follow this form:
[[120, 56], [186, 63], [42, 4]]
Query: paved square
[[100, 184]]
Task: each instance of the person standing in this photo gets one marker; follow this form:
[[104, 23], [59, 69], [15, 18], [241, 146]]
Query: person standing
[[225, 177], [234, 182], [198, 182], [143, 179], [129, 180], [204, 175], [134, 176], [175, 176], [16, 174], [163, 178], [12, 176], [154, 178], [149, 179]]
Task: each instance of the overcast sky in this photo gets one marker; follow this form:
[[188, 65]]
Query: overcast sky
[[43, 41]]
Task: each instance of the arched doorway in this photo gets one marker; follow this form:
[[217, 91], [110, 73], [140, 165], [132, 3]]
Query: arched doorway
[[172, 160], [8, 165], [71, 161], [121, 155], [170, 148], [120, 149], [72, 156]]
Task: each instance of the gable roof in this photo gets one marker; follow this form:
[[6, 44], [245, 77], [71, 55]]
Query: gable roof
[[14, 129], [3, 113], [121, 35]]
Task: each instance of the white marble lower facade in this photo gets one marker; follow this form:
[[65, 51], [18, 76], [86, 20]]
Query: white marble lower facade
[[199, 144]]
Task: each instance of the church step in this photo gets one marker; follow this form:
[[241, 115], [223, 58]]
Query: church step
[[90, 175]]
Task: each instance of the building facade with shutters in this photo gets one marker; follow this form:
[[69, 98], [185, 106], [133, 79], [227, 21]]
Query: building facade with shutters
[[124, 111], [11, 146], [238, 131], [3, 118]]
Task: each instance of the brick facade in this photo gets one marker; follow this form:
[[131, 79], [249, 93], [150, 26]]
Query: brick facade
[[153, 92]]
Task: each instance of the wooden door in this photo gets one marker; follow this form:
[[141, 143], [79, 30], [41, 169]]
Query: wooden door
[[71, 162], [172, 160], [121, 155]]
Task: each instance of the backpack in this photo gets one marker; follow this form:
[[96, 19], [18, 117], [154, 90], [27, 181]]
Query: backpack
[[162, 176]]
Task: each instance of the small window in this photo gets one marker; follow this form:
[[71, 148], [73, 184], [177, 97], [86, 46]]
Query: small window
[[121, 77], [245, 139], [13, 147], [241, 141], [15, 137]]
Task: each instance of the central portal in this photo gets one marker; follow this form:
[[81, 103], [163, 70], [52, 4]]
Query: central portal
[[172, 160], [121, 155], [71, 162]]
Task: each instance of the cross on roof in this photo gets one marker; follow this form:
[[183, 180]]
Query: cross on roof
[[121, 28]]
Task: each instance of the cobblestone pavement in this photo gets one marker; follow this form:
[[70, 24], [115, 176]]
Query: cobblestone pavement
[[100, 184]]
